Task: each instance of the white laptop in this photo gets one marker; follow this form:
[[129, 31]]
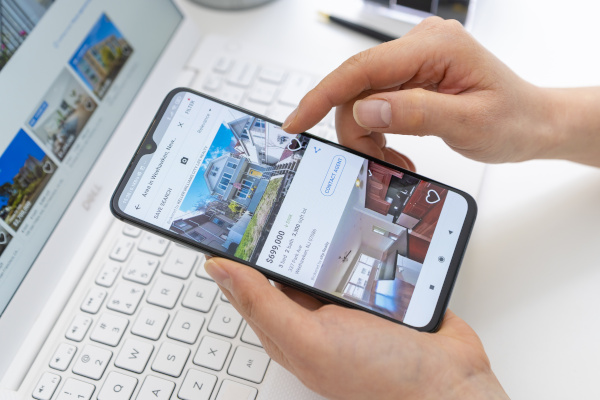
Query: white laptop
[[80, 312]]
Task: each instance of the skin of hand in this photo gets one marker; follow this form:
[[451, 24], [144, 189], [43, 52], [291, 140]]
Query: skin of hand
[[349, 354], [438, 80]]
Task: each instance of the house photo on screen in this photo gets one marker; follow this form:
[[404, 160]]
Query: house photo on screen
[[101, 56], [240, 186], [379, 247], [25, 170], [62, 114]]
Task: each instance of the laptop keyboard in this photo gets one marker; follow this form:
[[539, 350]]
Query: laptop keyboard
[[266, 89], [154, 326]]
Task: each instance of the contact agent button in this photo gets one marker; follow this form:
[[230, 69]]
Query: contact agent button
[[333, 175]]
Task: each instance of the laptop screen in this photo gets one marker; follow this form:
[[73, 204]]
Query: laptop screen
[[68, 72]]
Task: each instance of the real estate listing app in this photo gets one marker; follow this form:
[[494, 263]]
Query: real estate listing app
[[299, 207]]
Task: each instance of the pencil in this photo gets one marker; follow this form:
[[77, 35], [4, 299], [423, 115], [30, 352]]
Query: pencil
[[383, 37]]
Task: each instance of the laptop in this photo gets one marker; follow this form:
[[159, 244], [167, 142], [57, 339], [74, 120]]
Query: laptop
[[80, 82]]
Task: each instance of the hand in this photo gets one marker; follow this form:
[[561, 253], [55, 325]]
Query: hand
[[349, 354], [436, 80]]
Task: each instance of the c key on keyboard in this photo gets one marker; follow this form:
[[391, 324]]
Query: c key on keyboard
[[225, 321]]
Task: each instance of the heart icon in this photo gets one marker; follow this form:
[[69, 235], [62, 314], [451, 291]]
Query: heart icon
[[295, 145], [432, 197], [3, 238], [48, 167]]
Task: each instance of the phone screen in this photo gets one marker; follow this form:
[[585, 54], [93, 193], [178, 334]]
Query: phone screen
[[301, 208]]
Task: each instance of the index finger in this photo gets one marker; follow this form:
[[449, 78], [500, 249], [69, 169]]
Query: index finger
[[382, 67]]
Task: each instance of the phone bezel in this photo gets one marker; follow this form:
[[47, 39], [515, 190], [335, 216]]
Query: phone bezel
[[453, 268]]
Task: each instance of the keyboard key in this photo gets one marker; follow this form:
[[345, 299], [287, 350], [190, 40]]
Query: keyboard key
[[242, 74], [224, 298], [62, 356], [109, 329], [232, 94], [258, 108], [212, 353], [180, 263], [93, 301], [200, 295], [92, 362], [249, 336], [249, 364], [170, 359], [141, 269], [134, 355], [109, 272], [131, 230], [212, 83], [125, 298], [295, 88], [231, 390], [197, 385], [223, 64], [263, 92], [279, 112], [117, 387], [74, 389], [165, 292], [46, 386], [156, 389], [272, 74], [225, 321], [150, 323], [78, 328], [153, 244], [201, 272], [121, 249], [186, 326]]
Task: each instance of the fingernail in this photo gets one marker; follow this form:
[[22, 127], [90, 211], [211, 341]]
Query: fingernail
[[289, 119], [218, 273], [373, 113]]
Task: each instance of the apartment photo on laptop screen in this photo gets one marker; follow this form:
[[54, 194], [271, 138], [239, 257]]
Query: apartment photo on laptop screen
[[68, 72]]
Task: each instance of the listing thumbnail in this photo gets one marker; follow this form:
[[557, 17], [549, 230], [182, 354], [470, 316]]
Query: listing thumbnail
[[240, 186], [101, 56], [62, 114], [5, 238], [24, 172], [17, 20], [379, 247]]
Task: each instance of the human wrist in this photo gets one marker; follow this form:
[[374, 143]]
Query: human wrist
[[480, 385], [571, 126]]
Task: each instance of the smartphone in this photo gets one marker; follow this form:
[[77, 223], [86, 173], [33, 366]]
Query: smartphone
[[304, 211]]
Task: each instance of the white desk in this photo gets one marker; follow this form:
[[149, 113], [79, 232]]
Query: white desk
[[530, 283]]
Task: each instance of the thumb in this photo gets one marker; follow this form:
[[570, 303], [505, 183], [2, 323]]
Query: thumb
[[413, 112]]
